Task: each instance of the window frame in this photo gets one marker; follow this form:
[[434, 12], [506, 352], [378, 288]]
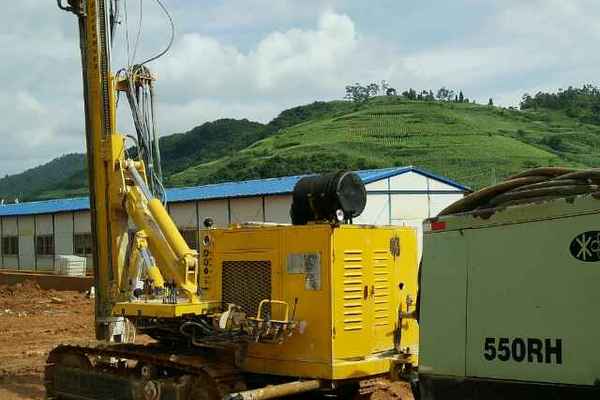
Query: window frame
[[10, 242], [44, 245], [187, 232], [83, 237]]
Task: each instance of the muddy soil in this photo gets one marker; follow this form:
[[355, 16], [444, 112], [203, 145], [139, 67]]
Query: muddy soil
[[32, 322]]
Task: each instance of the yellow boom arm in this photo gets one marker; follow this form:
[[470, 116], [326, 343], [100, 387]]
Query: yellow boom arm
[[119, 189], [175, 259]]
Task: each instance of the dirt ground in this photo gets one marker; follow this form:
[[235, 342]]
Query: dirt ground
[[32, 322]]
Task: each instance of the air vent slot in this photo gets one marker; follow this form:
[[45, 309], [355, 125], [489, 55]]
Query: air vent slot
[[246, 283], [354, 284]]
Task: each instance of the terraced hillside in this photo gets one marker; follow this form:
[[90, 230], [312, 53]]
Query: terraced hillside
[[471, 143]]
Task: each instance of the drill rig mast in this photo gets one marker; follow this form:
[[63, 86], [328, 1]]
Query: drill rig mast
[[273, 305], [104, 153], [121, 189]]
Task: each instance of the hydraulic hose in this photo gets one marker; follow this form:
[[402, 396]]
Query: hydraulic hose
[[534, 185]]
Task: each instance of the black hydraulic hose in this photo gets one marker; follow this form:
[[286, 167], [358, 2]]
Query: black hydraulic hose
[[480, 197], [554, 191], [535, 185]]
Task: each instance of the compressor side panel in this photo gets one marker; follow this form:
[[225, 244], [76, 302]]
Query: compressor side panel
[[533, 300], [443, 289]]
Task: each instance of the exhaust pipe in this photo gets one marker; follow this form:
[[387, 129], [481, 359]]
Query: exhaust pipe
[[275, 391]]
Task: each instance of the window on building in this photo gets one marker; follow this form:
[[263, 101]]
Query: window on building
[[44, 245], [83, 244], [190, 235], [10, 245]]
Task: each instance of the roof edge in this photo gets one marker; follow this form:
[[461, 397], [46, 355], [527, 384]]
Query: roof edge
[[54, 206]]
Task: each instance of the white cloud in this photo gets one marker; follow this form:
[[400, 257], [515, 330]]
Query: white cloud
[[254, 58], [283, 64], [203, 78]]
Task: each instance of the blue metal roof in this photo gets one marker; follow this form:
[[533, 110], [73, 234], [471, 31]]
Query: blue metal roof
[[256, 187], [45, 207]]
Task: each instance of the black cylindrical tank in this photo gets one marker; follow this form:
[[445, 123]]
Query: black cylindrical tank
[[324, 197]]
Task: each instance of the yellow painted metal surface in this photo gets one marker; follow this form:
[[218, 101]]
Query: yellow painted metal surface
[[105, 148], [175, 260], [140, 243], [348, 284], [160, 310]]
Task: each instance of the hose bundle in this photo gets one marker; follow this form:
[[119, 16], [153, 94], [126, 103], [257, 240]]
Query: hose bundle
[[534, 185], [140, 94], [141, 98]]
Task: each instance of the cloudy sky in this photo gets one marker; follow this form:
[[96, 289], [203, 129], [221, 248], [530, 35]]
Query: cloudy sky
[[253, 58]]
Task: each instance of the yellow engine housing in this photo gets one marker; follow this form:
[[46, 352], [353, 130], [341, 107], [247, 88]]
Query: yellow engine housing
[[351, 283]]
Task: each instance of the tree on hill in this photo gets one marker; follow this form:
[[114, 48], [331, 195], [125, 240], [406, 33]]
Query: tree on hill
[[490, 102], [445, 94], [357, 93], [361, 94], [582, 103], [461, 97], [384, 86], [410, 94], [451, 95], [442, 94], [373, 89]]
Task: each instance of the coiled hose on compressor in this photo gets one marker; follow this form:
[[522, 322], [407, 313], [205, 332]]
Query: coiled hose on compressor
[[534, 185]]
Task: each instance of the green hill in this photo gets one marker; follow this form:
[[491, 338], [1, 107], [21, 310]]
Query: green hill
[[473, 144], [205, 143], [41, 178]]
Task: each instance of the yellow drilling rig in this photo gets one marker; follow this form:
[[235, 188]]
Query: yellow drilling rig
[[262, 311]]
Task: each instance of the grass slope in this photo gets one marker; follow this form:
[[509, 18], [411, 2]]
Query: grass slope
[[204, 143], [471, 143], [41, 178], [474, 144]]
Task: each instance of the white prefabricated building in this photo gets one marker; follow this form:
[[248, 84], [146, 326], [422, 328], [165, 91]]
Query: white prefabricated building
[[33, 234]]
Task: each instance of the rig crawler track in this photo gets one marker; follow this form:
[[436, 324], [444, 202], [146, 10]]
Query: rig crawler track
[[138, 372]]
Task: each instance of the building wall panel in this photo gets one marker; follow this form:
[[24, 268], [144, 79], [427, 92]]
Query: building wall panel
[[26, 243], [246, 210], [409, 206], [440, 201], [9, 226], [277, 209], [83, 222], [435, 184], [215, 209], [378, 185], [10, 262], [184, 214], [408, 181], [377, 211], [43, 224], [63, 234], [45, 263]]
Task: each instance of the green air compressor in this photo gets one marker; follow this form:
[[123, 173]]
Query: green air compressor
[[510, 289]]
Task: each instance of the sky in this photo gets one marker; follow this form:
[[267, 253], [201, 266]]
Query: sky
[[254, 58]]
